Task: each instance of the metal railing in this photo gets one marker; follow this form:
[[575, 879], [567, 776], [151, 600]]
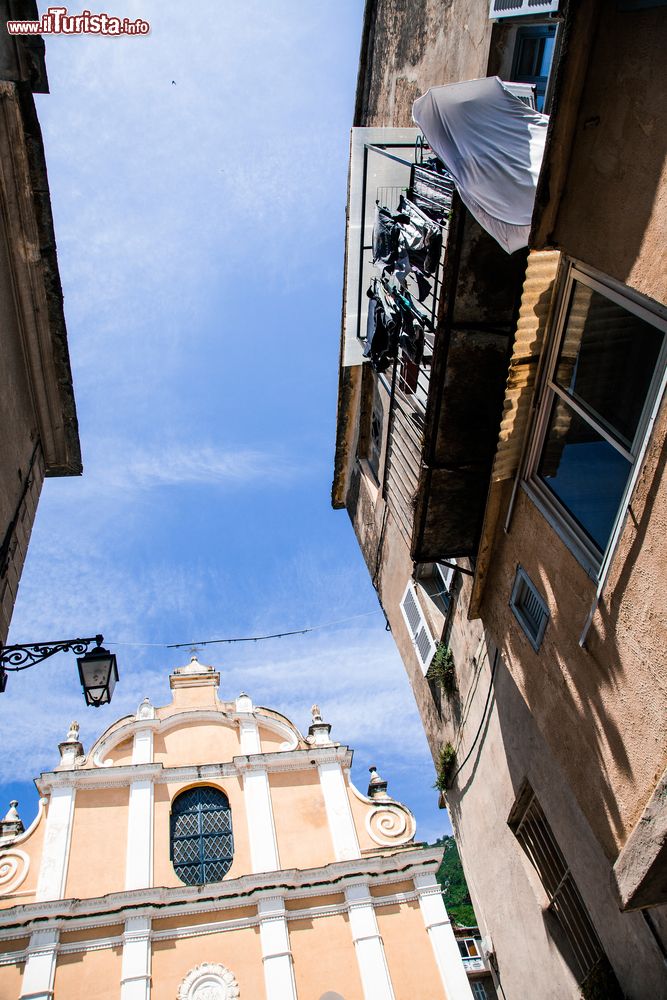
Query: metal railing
[[407, 381]]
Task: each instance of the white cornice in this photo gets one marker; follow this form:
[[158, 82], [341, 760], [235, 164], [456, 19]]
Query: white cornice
[[99, 911], [188, 930], [126, 774]]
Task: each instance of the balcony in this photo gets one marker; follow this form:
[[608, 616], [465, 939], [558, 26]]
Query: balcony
[[442, 417], [473, 965]]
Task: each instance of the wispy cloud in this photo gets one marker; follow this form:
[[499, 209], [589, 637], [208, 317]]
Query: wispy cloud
[[120, 470]]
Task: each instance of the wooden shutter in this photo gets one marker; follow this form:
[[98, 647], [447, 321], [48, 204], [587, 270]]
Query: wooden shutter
[[514, 8], [422, 640]]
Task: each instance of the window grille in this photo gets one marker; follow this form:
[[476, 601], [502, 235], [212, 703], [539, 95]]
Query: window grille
[[532, 830], [529, 607], [202, 843], [478, 991], [422, 640]]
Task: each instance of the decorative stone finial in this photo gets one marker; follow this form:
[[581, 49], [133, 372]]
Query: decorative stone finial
[[70, 749], [145, 710], [319, 730], [11, 825], [244, 703], [377, 786]]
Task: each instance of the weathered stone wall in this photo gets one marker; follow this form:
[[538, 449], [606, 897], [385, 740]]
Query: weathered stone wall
[[411, 45]]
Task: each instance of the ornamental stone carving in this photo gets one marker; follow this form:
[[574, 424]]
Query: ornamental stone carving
[[209, 981], [390, 825], [14, 866]]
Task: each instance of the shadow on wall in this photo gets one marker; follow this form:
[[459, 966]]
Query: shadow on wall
[[616, 159]]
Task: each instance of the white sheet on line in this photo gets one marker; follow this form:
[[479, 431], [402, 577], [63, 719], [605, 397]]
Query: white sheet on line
[[492, 144]]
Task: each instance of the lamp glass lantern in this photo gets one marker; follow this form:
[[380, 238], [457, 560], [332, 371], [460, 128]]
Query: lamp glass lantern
[[98, 673]]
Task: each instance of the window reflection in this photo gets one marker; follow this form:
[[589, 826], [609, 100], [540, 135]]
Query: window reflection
[[585, 472]]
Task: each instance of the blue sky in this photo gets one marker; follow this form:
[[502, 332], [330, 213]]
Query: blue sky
[[200, 236]]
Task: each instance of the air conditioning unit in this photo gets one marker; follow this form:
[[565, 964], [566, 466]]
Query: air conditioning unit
[[515, 8]]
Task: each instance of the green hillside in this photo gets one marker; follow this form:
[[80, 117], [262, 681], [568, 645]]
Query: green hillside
[[454, 887]]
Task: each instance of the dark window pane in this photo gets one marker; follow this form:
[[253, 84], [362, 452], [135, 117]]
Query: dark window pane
[[585, 472], [533, 55], [202, 844], [607, 360]]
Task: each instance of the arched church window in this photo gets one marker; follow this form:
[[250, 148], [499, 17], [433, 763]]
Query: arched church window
[[202, 843]]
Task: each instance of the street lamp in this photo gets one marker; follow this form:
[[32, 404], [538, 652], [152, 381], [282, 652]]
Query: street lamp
[[98, 670]]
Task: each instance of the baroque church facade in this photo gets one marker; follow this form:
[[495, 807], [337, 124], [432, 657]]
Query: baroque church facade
[[207, 850]]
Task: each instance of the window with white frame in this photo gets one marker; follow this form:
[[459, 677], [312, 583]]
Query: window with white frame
[[479, 991], [469, 948], [436, 580], [604, 372], [423, 640]]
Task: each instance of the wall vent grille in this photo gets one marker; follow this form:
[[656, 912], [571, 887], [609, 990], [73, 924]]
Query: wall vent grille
[[529, 607]]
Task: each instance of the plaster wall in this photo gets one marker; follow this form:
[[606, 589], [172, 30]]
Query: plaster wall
[[270, 742], [11, 977], [509, 899], [238, 950], [121, 754], [16, 892], [411, 45], [324, 957], [91, 934], [387, 557], [197, 743], [300, 819], [605, 704], [408, 951], [194, 694], [193, 920], [618, 154], [99, 831], [94, 975]]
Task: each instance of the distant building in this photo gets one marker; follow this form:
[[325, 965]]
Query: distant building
[[504, 471], [38, 426], [471, 949], [206, 851]]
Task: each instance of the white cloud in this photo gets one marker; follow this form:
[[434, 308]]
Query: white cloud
[[115, 468]]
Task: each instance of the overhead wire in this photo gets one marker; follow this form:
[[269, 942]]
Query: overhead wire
[[245, 638]]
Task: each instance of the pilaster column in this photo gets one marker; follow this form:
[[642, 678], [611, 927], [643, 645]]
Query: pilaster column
[[368, 945], [57, 839], [40, 967], [257, 794], [135, 982], [439, 927], [139, 851], [339, 811], [276, 952]]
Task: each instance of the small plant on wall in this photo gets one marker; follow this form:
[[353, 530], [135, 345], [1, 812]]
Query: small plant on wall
[[442, 669], [445, 767]]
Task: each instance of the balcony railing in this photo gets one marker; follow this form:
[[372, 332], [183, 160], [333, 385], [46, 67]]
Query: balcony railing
[[408, 385], [473, 964]]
